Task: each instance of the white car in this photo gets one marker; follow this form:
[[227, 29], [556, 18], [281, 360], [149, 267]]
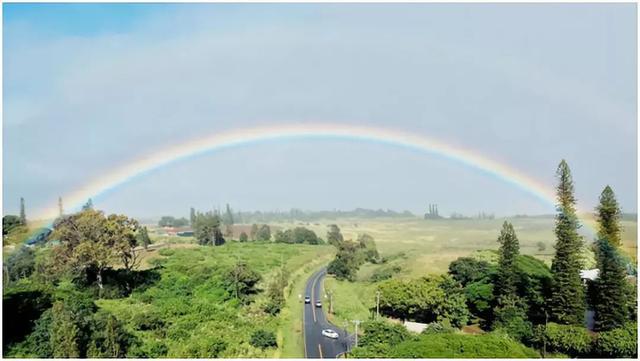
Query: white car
[[318, 304], [330, 333]]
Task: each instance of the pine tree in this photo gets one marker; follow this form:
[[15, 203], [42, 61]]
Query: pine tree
[[609, 218], [509, 250], [567, 303], [610, 288], [60, 210], [23, 215], [192, 217], [88, 205], [144, 237], [228, 218]]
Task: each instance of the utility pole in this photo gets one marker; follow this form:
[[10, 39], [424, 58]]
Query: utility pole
[[357, 322], [377, 305]]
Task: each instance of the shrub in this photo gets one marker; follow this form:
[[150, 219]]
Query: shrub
[[567, 339], [167, 252], [377, 332], [511, 317], [263, 339], [244, 237], [438, 327], [461, 346], [618, 343], [21, 308], [384, 273]]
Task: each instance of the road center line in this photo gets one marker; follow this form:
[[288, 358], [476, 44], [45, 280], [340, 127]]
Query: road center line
[[320, 350]]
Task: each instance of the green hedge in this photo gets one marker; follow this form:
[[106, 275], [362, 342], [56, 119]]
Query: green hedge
[[567, 339], [619, 342]]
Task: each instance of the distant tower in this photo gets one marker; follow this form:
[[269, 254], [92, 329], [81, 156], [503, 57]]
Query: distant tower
[[23, 215], [60, 206]]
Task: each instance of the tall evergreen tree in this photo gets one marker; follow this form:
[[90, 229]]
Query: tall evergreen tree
[[228, 217], [509, 250], [567, 303], [23, 214], [610, 288], [608, 215], [60, 210], [144, 237], [88, 205], [192, 217]]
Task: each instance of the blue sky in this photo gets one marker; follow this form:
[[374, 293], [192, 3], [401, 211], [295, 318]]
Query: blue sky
[[88, 86]]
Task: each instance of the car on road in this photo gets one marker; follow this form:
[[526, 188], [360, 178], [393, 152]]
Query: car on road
[[330, 333], [318, 304], [307, 299]]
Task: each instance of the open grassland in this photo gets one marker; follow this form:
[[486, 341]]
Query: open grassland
[[188, 313], [430, 245]]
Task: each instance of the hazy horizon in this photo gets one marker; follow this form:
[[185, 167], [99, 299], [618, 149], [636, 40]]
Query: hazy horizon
[[90, 87]]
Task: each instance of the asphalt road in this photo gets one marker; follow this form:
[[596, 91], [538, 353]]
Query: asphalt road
[[315, 344]]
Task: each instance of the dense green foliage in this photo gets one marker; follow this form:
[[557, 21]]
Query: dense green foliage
[[467, 270], [206, 229], [20, 264], [610, 288], [506, 279], [608, 215], [9, 223], [262, 233], [618, 343], [447, 345], [243, 237], [143, 237], [351, 255], [334, 237], [567, 339], [263, 339], [426, 299], [567, 303]]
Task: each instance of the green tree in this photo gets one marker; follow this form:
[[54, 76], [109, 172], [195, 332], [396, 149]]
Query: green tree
[[254, 232], [143, 236], [242, 281], [21, 263], [205, 227], [228, 216], [89, 241], [567, 303], [244, 237], [368, 244], [334, 237], [608, 215], [192, 216], [88, 205], [467, 270], [23, 215], [264, 233], [109, 339], [60, 210], [64, 333], [610, 289], [507, 254], [9, 223], [218, 237]]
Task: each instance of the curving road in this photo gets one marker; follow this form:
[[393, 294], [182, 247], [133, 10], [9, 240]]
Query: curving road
[[315, 344]]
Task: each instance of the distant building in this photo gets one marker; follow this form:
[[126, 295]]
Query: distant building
[[589, 274]]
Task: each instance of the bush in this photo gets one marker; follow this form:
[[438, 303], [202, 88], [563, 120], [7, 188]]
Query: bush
[[567, 339], [438, 327], [378, 332], [618, 343], [244, 237], [21, 308], [511, 317], [384, 273], [461, 346], [263, 339]]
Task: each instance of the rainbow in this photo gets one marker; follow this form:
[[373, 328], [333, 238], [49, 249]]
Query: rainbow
[[239, 137]]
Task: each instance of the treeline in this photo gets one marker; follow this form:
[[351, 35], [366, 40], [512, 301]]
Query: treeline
[[520, 297], [308, 216]]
